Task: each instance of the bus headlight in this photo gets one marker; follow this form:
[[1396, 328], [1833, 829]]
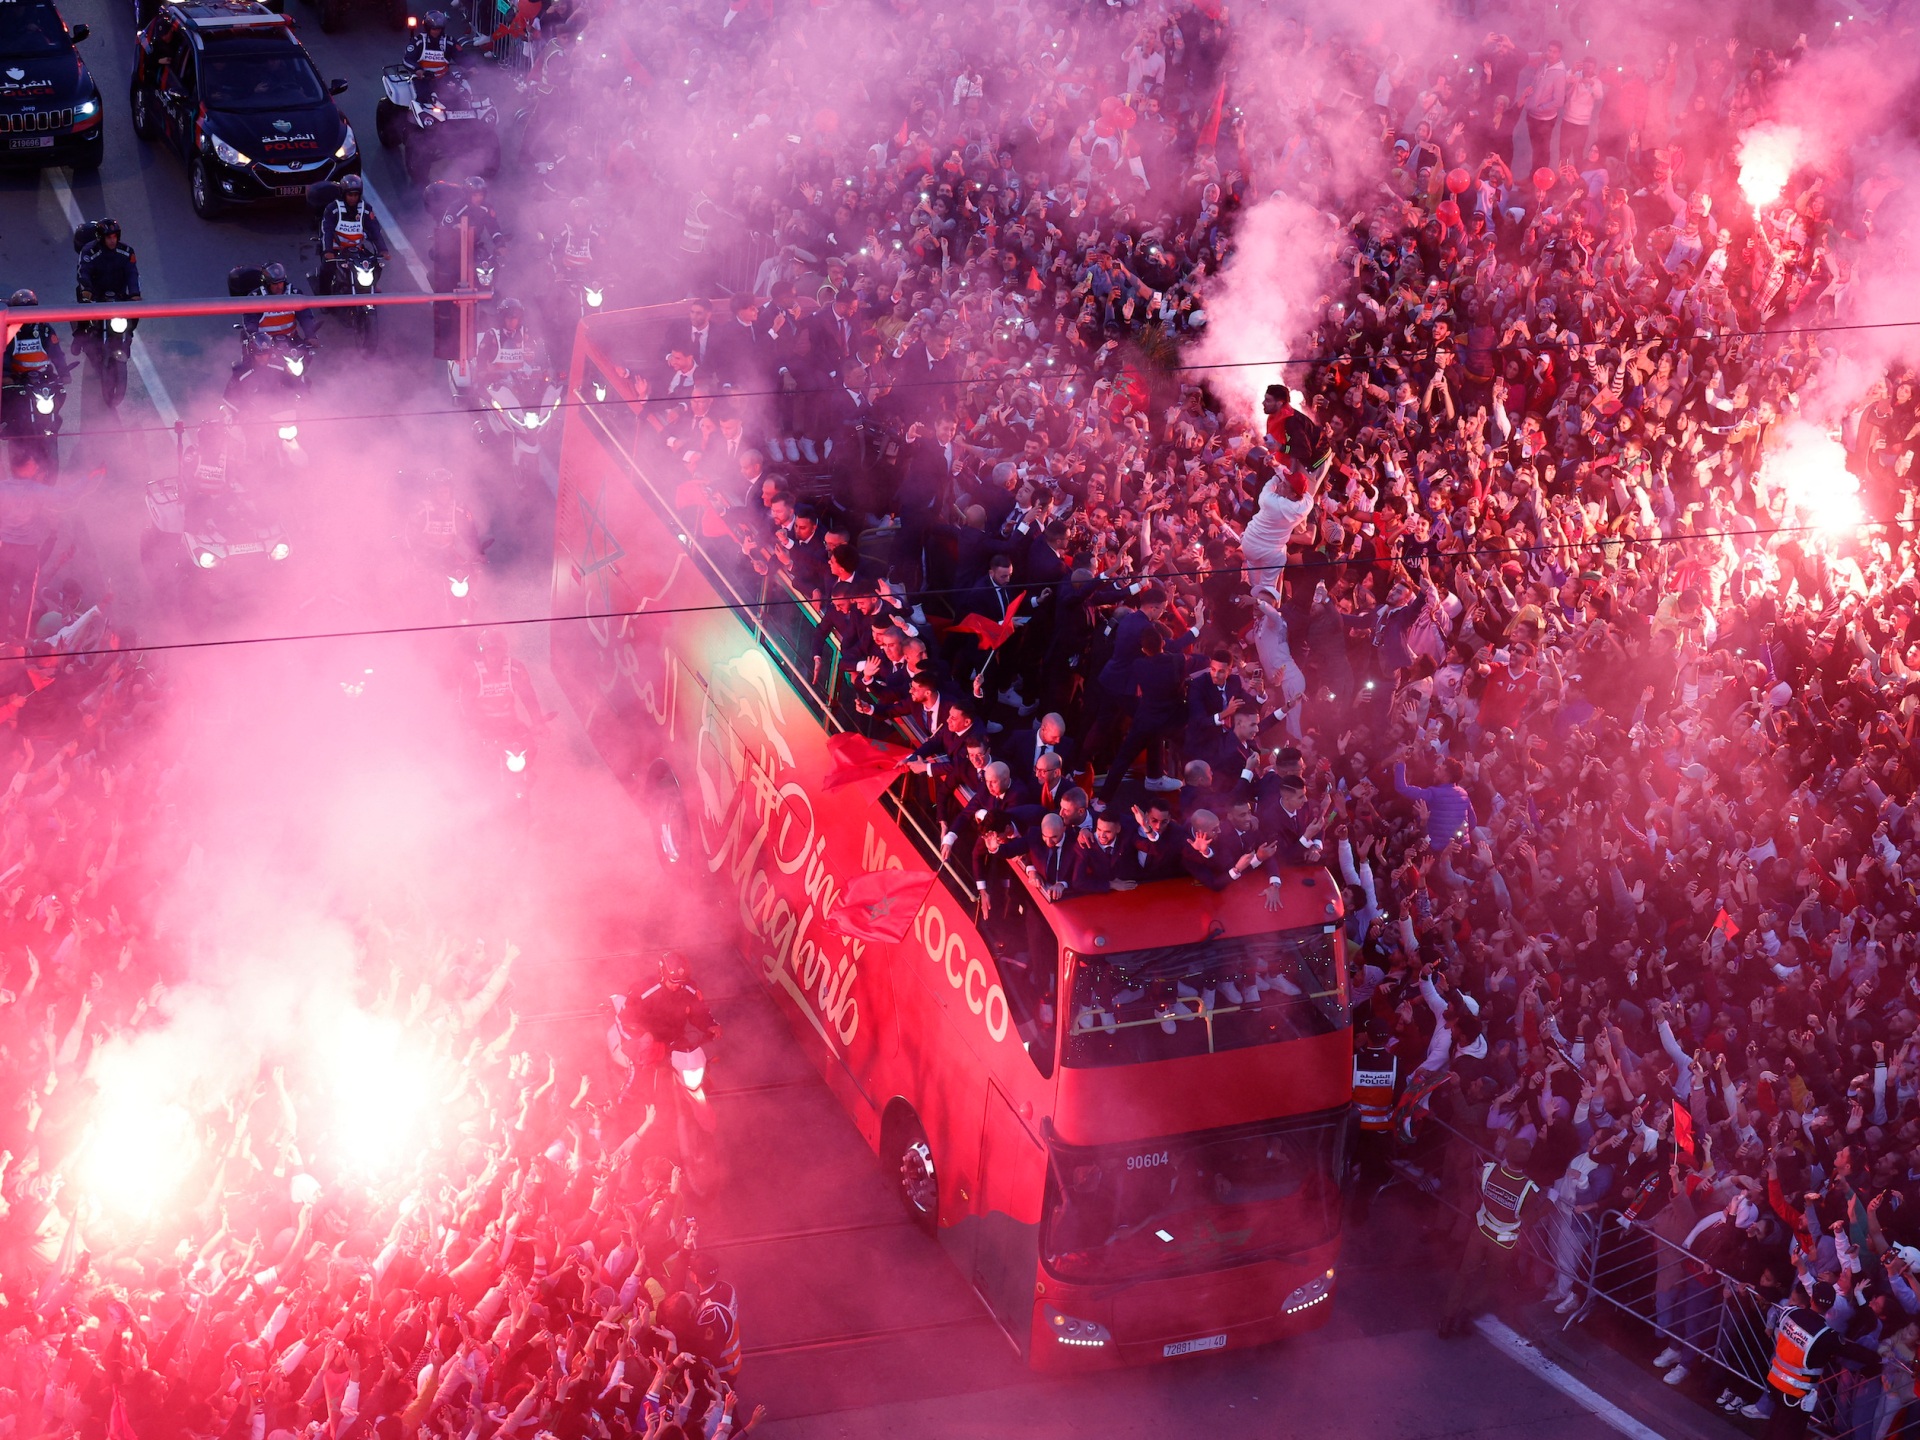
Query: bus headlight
[[280, 551], [1081, 1334], [118, 324], [1309, 1294]]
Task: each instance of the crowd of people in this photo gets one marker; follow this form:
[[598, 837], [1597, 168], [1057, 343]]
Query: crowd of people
[[1499, 605], [251, 1259]]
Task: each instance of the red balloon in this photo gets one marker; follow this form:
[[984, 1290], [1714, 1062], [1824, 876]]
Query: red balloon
[[1543, 177], [1458, 179], [1104, 128], [826, 121], [1448, 212]]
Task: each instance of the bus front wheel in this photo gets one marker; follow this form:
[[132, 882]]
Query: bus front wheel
[[915, 1176]]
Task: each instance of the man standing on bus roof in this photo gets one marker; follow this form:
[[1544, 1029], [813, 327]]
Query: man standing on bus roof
[[1508, 1199]]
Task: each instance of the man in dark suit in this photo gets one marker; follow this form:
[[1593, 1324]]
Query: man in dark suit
[[1154, 682], [1106, 862], [836, 329], [741, 350], [1214, 696], [695, 334], [1205, 859], [1157, 839], [1020, 748], [682, 375]]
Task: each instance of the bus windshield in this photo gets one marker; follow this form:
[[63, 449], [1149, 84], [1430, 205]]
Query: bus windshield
[[1195, 1202], [1222, 994]]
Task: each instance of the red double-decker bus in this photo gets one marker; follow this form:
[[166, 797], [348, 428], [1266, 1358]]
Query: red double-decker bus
[[1122, 1179]]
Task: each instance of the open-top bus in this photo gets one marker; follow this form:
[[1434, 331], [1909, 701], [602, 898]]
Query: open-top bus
[[1119, 1185]]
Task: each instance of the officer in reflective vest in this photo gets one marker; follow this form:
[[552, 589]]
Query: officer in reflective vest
[[1507, 1197], [429, 54], [1376, 1078], [1804, 1346]]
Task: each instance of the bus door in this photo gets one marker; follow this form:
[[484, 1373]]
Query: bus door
[[1006, 1251]]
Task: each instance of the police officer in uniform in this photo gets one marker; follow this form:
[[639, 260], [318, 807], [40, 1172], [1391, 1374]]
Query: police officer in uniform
[[510, 351], [106, 268], [31, 352], [1804, 1346], [349, 230], [456, 203], [285, 324], [1507, 1198], [1376, 1079], [429, 54]]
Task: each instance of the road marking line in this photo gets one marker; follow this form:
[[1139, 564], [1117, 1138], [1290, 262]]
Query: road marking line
[[149, 376], [1526, 1354], [402, 245]]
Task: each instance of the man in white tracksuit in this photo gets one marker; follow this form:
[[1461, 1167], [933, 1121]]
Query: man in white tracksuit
[[1263, 545]]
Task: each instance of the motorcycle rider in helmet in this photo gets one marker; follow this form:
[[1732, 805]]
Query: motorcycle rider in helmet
[[349, 231], [455, 203], [498, 696], [430, 54], [106, 269], [287, 324], [510, 353], [32, 352]]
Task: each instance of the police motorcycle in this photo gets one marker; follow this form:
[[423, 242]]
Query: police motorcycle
[[272, 379], [578, 289], [351, 265], [430, 113], [522, 395], [207, 515], [504, 720], [447, 549], [108, 344], [659, 1037], [32, 395]]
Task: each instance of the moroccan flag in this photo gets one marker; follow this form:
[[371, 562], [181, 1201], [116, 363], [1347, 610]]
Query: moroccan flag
[[1683, 1130], [880, 905], [1033, 280], [992, 634], [1210, 132], [1723, 922], [855, 757], [117, 1426]]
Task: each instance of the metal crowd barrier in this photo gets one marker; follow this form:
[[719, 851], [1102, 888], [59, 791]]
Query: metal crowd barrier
[[1608, 1259]]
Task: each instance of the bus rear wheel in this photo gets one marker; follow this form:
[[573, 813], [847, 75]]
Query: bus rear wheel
[[915, 1176]]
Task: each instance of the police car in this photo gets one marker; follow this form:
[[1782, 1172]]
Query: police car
[[49, 105], [230, 89]]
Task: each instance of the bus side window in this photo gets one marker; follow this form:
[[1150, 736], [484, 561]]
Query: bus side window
[[1032, 983]]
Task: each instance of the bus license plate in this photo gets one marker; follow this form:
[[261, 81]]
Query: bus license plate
[[33, 142], [1188, 1347]]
